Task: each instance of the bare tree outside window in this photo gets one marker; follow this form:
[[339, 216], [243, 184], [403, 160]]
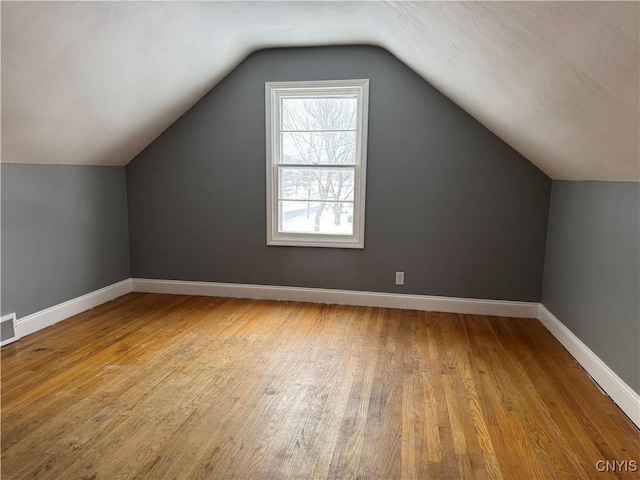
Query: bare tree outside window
[[319, 132]]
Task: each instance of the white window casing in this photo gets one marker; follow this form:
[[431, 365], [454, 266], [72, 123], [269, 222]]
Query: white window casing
[[316, 139]]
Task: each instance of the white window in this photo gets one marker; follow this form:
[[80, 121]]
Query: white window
[[316, 162]]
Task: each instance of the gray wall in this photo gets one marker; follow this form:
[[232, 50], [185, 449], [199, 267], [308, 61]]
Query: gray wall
[[592, 269], [448, 202], [64, 233]]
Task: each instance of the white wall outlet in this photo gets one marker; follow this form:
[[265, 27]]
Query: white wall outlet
[[399, 278]]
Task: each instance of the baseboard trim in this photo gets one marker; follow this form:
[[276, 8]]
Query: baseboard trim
[[621, 393], [52, 315], [340, 297]]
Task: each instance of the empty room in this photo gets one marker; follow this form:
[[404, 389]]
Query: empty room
[[323, 239]]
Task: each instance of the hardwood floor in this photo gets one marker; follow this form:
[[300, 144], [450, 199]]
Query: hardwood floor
[[162, 387]]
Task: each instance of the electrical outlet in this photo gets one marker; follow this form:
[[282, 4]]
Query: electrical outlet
[[399, 278]]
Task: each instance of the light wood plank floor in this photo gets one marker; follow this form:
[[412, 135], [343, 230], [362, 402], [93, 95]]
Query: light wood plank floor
[[176, 387]]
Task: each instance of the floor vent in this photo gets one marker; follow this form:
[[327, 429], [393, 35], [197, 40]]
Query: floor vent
[[8, 331]]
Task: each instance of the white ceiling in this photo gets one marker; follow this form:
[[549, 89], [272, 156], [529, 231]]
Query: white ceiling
[[95, 82]]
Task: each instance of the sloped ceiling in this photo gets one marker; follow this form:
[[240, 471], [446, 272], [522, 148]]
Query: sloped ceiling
[[95, 82]]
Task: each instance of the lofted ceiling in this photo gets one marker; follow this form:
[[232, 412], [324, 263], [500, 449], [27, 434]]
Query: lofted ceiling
[[93, 83]]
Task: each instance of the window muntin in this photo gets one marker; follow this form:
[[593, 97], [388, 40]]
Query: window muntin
[[316, 163]]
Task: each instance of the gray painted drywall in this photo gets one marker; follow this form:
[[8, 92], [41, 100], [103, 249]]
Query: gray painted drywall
[[64, 233], [592, 269], [448, 202]]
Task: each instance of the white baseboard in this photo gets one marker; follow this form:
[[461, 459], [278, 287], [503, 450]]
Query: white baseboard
[[52, 315], [612, 384], [341, 297]]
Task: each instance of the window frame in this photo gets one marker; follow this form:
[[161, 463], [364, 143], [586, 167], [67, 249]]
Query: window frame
[[274, 91]]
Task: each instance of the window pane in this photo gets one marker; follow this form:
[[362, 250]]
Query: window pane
[[327, 218], [335, 148], [319, 113], [316, 183]]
